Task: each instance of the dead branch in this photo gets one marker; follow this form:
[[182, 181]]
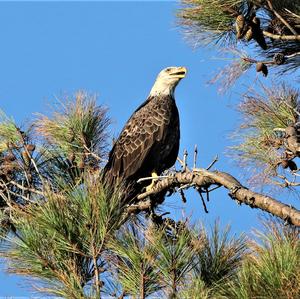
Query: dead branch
[[23, 188], [212, 163], [281, 37], [203, 178], [202, 200], [195, 156]]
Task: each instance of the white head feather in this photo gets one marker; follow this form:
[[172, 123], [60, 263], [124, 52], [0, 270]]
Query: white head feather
[[167, 80]]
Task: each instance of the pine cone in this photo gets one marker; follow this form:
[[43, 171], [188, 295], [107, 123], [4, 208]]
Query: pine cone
[[30, 147], [259, 66], [249, 34], [26, 158], [279, 58], [239, 25], [285, 164]]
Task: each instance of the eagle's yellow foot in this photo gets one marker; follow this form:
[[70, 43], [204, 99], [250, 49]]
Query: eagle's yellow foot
[[154, 176]]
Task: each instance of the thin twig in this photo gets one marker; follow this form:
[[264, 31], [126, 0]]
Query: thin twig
[[25, 188], [202, 199], [185, 186], [292, 55], [195, 156], [152, 178], [213, 189], [94, 155], [287, 182], [22, 196], [291, 107], [207, 194], [36, 168], [281, 18], [6, 199], [213, 162], [292, 13], [22, 189], [31, 160], [185, 154], [181, 163], [279, 130], [281, 37], [182, 195], [96, 272]]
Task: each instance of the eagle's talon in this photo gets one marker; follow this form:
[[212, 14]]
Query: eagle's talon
[[154, 176]]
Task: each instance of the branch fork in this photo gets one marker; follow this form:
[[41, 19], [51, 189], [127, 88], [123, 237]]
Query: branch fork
[[203, 179]]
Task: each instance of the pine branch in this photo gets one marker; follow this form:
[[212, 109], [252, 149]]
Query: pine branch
[[281, 37], [272, 26], [204, 178], [271, 8], [33, 190]]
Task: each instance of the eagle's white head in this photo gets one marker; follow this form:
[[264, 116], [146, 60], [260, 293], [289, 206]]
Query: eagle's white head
[[167, 80]]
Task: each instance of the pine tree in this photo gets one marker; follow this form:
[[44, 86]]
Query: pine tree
[[71, 233]]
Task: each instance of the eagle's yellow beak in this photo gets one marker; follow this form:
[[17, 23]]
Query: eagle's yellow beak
[[179, 72]]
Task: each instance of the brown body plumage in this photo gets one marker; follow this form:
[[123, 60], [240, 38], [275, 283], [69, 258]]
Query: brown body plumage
[[149, 142]]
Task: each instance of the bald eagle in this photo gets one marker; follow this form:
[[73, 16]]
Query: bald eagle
[[149, 141]]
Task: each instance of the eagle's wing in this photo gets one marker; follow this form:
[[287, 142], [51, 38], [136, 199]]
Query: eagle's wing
[[140, 134]]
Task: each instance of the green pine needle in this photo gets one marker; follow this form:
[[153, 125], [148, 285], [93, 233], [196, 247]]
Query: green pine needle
[[59, 241]]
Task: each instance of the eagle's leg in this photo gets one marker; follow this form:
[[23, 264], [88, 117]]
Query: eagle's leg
[[154, 178]]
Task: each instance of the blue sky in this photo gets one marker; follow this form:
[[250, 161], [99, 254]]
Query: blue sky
[[116, 49]]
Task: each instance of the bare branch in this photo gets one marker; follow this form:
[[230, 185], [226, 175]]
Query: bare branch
[[195, 156], [203, 178], [150, 178], [202, 199], [89, 152], [185, 154], [281, 37], [25, 188], [182, 163], [182, 195], [293, 55], [213, 162]]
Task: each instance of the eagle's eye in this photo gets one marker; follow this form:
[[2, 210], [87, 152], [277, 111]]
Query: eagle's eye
[[168, 69]]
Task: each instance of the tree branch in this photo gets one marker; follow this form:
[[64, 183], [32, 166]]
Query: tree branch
[[271, 8], [292, 13], [204, 178], [281, 37], [24, 188]]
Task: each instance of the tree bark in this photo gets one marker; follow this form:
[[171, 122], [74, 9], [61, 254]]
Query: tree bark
[[203, 178]]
